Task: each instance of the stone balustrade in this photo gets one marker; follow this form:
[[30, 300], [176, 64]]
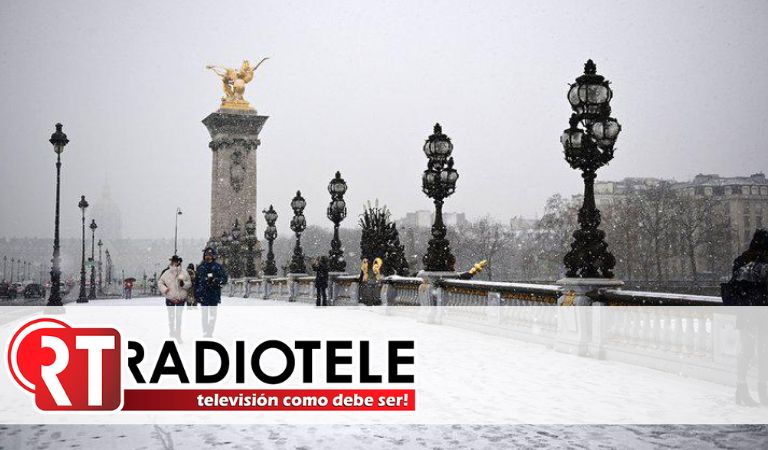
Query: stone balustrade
[[405, 291], [676, 333]]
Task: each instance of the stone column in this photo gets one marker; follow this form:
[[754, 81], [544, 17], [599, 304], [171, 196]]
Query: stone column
[[234, 140]]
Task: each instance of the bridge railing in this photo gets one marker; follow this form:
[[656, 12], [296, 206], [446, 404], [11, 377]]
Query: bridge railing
[[414, 291], [657, 330]]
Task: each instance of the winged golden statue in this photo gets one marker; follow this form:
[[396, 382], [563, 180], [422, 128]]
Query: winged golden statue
[[233, 82]]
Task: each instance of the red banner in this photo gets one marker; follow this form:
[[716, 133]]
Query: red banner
[[269, 400]]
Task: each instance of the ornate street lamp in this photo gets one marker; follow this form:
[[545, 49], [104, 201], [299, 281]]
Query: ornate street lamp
[[12, 263], [298, 225], [270, 234], [337, 211], [235, 260], [92, 293], [587, 149], [82, 298], [109, 267], [225, 241], [58, 140], [250, 243], [439, 181], [176, 231], [101, 280]]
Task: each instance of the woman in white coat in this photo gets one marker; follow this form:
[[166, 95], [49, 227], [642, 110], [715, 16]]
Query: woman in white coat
[[174, 284]]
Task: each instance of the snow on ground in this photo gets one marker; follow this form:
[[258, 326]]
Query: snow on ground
[[336, 437], [462, 376], [563, 380]]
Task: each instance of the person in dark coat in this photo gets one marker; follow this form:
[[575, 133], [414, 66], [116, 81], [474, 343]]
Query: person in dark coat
[[321, 280], [750, 277], [191, 294], [209, 278]]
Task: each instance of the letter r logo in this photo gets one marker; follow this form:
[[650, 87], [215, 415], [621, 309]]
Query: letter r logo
[[67, 368]]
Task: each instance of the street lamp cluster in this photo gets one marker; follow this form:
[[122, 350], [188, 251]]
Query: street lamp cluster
[[270, 234], [298, 225], [237, 251], [337, 211], [439, 181], [587, 148]]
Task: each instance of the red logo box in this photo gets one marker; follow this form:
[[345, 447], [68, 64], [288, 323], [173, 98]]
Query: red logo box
[[67, 368]]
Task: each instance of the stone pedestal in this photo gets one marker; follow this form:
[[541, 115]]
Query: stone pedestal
[[332, 294], [431, 295], [234, 140], [580, 330], [266, 286], [293, 286]]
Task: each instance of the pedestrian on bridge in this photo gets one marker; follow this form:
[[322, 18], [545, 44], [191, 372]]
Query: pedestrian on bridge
[[209, 278], [749, 287], [191, 301], [321, 280], [174, 284]]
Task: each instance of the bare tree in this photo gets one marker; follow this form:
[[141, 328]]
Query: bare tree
[[656, 207], [700, 223], [487, 239]]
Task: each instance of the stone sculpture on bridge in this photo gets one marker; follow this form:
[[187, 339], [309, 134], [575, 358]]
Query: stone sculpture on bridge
[[233, 82]]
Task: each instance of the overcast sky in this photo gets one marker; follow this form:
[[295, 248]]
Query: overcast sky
[[357, 86]]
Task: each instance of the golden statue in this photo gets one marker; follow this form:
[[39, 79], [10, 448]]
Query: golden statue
[[234, 81], [377, 263], [364, 271]]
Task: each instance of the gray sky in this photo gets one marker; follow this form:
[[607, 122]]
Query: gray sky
[[356, 86]]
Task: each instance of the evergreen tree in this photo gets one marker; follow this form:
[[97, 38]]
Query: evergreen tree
[[380, 239]]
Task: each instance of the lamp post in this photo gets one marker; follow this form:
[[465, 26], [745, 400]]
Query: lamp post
[[298, 225], [270, 234], [12, 263], [225, 240], [58, 140], [250, 243], [587, 149], [235, 253], [5, 264], [176, 231], [337, 211], [82, 298], [101, 280], [439, 181], [109, 268], [92, 260]]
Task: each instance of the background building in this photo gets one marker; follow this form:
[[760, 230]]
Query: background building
[[744, 200], [425, 219]]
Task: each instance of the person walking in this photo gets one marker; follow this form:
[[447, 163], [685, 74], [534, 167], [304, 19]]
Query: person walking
[[749, 287], [128, 288], [191, 301], [209, 278], [321, 280], [174, 284]]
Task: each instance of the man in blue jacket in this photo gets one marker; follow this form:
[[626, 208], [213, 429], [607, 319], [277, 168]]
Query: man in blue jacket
[[209, 278]]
